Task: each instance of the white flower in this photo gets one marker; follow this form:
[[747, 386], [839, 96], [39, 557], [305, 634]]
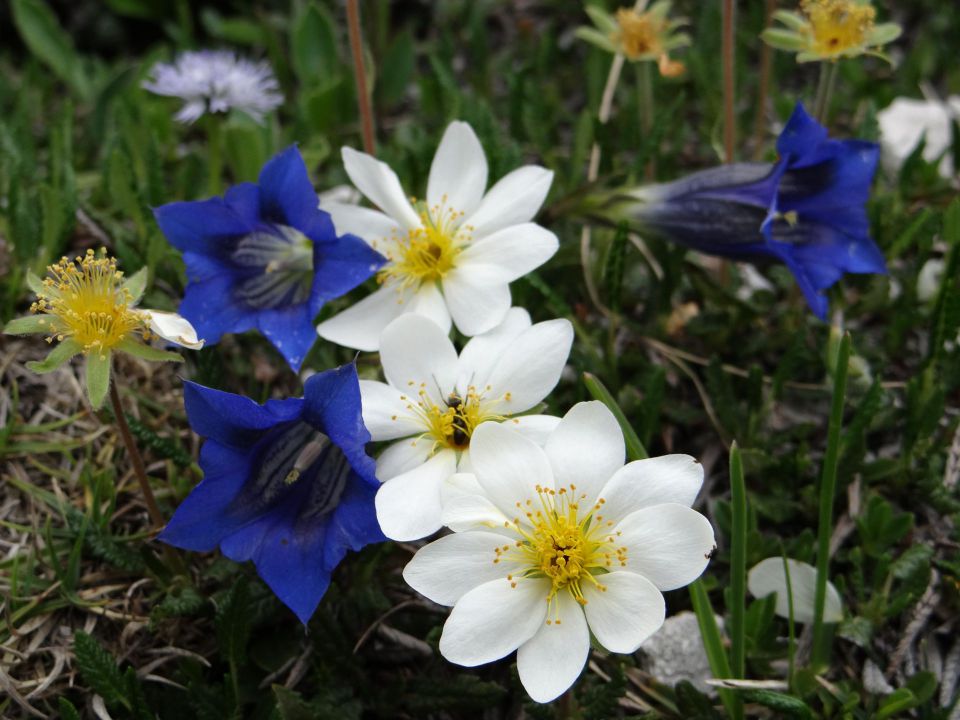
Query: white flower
[[216, 81], [929, 279], [452, 256], [905, 121], [434, 400], [173, 328], [557, 543], [768, 576]]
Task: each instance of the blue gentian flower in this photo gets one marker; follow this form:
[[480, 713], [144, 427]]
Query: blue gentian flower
[[264, 256], [287, 484], [807, 210]]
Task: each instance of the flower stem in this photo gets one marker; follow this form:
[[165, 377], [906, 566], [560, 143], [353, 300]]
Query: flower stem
[[825, 85], [360, 76], [766, 62], [729, 120], [828, 484], [738, 563], [214, 153], [139, 470]]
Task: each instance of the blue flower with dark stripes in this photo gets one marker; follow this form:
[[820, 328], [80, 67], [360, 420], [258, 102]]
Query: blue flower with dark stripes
[[264, 257], [287, 484], [807, 210]]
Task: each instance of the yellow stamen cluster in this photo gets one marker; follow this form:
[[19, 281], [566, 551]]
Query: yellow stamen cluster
[[428, 252], [640, 34], [451, 424], [87, 303], [837, 25], [559, 543]]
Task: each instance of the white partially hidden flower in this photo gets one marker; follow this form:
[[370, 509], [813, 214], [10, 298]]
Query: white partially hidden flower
[[433, 401], [906, 121], [768, 576], [450, 256], [216, 81], [173, 328], [552, 544]]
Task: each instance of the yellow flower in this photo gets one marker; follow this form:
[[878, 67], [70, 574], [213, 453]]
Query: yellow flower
[[638, 36], [831, 29], [89, 308]]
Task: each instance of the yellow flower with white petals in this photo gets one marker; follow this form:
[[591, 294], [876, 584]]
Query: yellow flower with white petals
[[89, 307], [830, 30]]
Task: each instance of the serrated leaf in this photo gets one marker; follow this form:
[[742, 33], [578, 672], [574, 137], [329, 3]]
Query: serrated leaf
[[99, 670], [62, 352], [233, 623], [41, 32], [785, 705], [290, 706], [67, 710]]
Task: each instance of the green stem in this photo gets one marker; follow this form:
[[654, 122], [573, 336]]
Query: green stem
[[825, 85], [738, 563], [635, 448], [214, 153], [791, 625], [713, 645], [828, 485]]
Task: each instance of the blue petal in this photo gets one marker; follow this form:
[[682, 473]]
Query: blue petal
[[286, 193], [244, 200], [354, 524], [203, 519], [234, 420], [210, 308], [341, 266], [291, 330], [201, 226], [801, 136], [843, 181]]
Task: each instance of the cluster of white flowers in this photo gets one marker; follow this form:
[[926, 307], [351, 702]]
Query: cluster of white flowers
[[552, 536], [216, 81]]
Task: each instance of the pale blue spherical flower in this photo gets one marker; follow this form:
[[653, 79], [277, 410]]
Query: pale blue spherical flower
[[216, 81]]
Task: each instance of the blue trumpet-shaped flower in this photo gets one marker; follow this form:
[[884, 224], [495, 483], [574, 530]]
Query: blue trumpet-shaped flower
[[807, 210], [264, 256], [287, 484]]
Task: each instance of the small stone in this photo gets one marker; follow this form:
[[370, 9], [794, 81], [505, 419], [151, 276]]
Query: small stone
[[676, 653]]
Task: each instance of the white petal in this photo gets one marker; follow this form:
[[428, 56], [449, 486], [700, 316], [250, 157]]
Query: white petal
[[668, 544], [515, 198], [475, 308], [530, 368], [768, 576], [641, 483], [408, 505], [403, 456], [472, 512], [380, 184], [508, 466], [493, 620], [586, 449], [417, 356], [458, 175], [552, 660], [462, 483], [173, 328], [482, 352], [627, 613], [372, 226], [429, 303], [448, 568], [508, 254], [386, 413], [535, 427], [360, 325], [340, 194]]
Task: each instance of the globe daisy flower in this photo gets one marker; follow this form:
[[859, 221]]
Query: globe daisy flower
[[830, 30], [264, 257], [216, 81], [638, 36], [434, 400], [807, 210], [554, 544], [450, 256], [287, 484], [89, 307]]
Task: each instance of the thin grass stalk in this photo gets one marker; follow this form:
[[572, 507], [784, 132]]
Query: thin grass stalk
[[729, 89], [214, 153], [825, 85], [713, 645], [360, 76], [766, 64], [598, 391], [738, 564], [791, 624], [828, 484]]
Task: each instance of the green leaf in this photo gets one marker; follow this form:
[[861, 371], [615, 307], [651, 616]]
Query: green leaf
[[313, 44], [57, 357], [146, 352], [397, 68], [896, 702], [604, 21], [635, 449], [28, 325], [792, 20], [594, 37], [136, 284], [34, 282], [67, 710], [785, 705], [613, 267], [98, 378], [42, 33], [290, 706], [99, 670], [233, 623], [783, 39], [884, 33]]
